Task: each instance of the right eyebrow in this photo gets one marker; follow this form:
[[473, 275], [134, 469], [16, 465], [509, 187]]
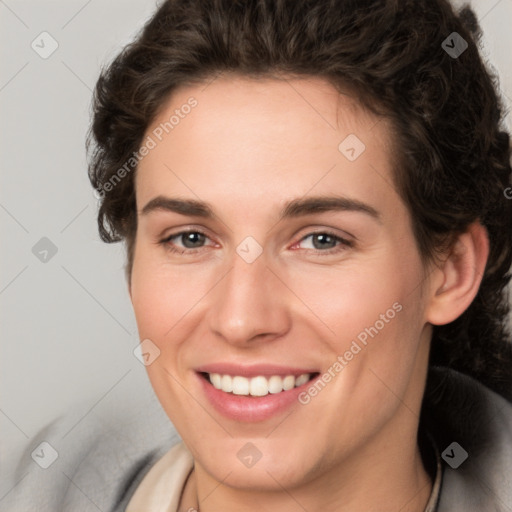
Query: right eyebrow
[[183, 206], [292, 209]]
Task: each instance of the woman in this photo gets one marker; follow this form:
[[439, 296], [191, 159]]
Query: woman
[[313, 196], [316, 217]]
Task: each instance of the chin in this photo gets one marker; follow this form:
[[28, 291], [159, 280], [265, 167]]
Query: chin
[[257, 465]]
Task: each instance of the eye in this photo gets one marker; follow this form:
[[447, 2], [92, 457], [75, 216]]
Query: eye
[[324, 242], [191, 241], [185, 241]]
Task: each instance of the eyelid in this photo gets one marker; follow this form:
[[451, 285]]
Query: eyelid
[[344, 242], [180, 230], [334, 232], [185, 231]]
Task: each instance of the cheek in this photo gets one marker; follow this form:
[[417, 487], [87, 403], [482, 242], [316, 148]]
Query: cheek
[[163, 299], [163, 294], [354, 296], [373, 313]]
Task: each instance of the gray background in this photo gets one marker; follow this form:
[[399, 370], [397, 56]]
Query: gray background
[[67, 328]]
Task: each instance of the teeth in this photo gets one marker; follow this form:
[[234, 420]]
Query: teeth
[[257, 386], [275, 384], [240, 386], [216, 380], [302, 379], [226, 383], [289, 382]]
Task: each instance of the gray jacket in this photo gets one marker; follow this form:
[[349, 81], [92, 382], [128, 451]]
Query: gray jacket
[[99, 466]]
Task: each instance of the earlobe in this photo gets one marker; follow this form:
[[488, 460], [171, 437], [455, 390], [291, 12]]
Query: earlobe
[[459, 276]]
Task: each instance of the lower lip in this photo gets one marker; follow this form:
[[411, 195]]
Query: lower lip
[[251, 408]]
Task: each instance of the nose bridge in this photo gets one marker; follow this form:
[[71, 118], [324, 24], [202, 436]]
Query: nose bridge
[[246, 302]]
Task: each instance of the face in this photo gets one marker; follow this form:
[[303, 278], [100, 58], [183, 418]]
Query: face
[[275, 259]]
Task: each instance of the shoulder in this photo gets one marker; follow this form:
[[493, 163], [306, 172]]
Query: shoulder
[[98, 464], [472, 427]]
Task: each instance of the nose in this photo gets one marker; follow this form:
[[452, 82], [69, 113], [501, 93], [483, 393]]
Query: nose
[[249, 304]]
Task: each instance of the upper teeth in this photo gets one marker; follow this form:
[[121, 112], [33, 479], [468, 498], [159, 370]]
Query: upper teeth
[[257, 386]]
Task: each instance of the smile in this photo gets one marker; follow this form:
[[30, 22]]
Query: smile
[[253, 393], [256, 386]]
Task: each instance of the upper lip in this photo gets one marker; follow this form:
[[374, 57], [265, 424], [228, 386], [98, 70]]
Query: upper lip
[[253, 370]]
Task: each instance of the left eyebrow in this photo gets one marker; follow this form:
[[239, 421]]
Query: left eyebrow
[[292, 209], [319, 204]]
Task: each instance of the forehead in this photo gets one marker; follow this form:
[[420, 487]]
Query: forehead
[[250, 102], [247, 133]]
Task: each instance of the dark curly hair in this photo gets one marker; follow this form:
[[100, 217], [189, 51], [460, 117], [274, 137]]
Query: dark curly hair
[[453, 156]]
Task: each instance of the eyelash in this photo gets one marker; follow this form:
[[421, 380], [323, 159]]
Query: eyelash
[[343, 244]]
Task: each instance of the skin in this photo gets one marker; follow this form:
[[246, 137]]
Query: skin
[[247, 148]]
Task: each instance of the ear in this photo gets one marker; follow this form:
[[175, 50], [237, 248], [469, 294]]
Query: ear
[[455, 282]]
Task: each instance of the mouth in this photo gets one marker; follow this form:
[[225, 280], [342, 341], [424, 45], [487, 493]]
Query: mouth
[[258, 386], [253, 393]]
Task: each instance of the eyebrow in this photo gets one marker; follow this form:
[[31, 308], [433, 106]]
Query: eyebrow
[[292, 209]]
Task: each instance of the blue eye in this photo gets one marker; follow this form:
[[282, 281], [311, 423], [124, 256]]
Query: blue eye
[[191, 241], [325, 242]]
